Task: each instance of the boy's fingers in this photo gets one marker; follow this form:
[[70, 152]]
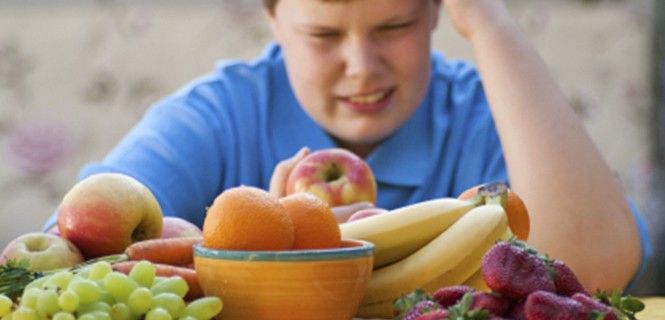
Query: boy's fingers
[[342, 213], [282, 171]]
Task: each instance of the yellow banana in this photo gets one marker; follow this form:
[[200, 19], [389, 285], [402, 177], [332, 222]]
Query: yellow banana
[[468, 267], [402, 231], [452, 254], [477, 282]]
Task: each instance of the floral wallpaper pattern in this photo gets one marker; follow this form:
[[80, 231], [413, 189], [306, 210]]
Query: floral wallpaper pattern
[[75, 77]]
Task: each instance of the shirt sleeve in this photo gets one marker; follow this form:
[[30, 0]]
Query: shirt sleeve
[[645, 244]]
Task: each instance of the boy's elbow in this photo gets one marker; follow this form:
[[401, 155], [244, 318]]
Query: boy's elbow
[[620, 264]]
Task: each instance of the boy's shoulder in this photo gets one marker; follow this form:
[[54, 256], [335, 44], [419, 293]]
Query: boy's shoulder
[[236, 75], [452, 70]]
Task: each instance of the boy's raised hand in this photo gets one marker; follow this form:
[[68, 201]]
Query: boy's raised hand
[[468, 16]]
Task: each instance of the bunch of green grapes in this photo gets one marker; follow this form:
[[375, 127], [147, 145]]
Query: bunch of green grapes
[[99, 293]]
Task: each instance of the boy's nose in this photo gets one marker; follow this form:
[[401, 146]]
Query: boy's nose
[[362, 59]]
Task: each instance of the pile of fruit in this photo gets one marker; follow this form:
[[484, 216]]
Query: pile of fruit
[[523, 285], [112, 255], [434, 243]]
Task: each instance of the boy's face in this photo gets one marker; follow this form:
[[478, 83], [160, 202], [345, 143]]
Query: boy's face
[[359, 67]]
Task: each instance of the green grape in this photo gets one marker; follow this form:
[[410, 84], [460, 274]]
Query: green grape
[[84, 272], [187, 318], [171, 302], [140, 300], [175, 285], [87, 290], [119, 285], [94, 306], [204, 308], [47, 303], [29, 297], [63, 316], [68, 301], [86, 316], [100, 315], [25, 313], [157, 280], [6, 317], [5, 305], [99, 270], [37, 283], [158, 314], [60, 279], [120, 311], [143, 273]]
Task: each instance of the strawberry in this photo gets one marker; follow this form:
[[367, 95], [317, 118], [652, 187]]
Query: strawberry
[[421, 308], [565, 280], [515, 271], [517, 312], [450, 295], [543, 305], [434, 315], [493, 303], [406, 302], [595, 306]]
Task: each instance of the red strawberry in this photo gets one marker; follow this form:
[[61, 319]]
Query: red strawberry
[[517, 312], [595, 305], [543, 305], [493, 303], [434, 315], [515, 271], [420, 308], [565, 280], [450, 295]]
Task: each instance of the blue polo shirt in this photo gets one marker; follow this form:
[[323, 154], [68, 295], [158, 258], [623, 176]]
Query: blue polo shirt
[[233, 126]]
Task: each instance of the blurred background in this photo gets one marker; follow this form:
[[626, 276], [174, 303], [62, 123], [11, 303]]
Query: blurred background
[[76, 75]]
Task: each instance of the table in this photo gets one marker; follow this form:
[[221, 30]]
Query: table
[[654, 308]]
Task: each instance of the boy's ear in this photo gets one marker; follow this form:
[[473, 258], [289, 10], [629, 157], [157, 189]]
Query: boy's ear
[[436, 12], [272, 23]]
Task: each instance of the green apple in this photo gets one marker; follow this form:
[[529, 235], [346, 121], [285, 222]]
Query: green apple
[[43, 251]]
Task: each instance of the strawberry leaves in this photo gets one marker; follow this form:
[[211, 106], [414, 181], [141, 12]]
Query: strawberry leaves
[[625, 306]]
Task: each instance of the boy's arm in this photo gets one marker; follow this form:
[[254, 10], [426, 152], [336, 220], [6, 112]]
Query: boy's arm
[[577, 207]]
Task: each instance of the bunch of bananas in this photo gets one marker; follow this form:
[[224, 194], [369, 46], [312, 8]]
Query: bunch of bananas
[[426, 245]]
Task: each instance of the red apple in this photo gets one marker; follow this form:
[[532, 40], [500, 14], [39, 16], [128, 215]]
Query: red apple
[[335, 175], [105, 213], [43, 251], [174, 227]]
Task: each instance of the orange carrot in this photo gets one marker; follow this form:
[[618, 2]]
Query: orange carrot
[[173, 251], [166, 270]]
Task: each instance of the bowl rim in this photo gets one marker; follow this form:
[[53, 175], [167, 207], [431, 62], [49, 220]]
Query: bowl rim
[[362, 249]]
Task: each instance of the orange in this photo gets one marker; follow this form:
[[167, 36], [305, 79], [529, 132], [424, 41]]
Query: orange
[[247, 218], [314, 222], [518, 215]]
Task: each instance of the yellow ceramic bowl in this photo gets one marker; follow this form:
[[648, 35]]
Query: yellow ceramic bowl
[[297, 284]]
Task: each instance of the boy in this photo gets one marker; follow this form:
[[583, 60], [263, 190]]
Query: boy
[[360, 74]]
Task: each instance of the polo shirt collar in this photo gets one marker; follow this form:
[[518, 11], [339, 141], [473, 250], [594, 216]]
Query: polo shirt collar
[[402, 159]]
